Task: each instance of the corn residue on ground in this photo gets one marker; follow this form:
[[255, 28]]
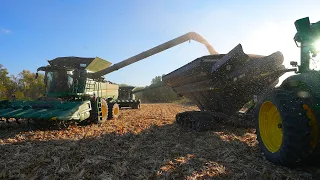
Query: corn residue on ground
[[141, 144]]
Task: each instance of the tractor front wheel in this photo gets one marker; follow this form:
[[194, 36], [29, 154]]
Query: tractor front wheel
[[286, 127]]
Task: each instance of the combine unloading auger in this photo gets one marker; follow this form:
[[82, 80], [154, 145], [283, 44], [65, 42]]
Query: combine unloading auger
[[162, 47]]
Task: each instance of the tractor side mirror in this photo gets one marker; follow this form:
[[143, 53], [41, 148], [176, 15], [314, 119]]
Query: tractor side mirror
[[36, 76]]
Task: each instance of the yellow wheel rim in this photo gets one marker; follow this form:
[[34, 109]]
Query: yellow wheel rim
[[313, 126], [103, 109], [270, 126], [115, 111]]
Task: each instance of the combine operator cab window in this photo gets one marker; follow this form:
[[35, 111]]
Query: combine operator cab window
[[59, 81]]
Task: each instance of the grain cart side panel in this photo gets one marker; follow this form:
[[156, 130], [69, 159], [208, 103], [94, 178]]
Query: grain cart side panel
[[225, 82]]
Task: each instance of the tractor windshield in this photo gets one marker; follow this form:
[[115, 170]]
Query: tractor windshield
[[59, 81]]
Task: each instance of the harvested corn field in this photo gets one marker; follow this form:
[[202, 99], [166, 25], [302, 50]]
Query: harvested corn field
[[141, 144]]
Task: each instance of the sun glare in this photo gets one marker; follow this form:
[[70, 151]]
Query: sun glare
[[317, 45]]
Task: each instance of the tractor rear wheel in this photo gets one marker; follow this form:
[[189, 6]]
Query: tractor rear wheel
[[113, 111], [286, 127]]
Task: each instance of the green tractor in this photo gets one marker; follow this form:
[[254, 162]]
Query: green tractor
[[287, 117]]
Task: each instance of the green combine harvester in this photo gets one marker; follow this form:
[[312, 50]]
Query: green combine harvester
[[71, 95], [77, 91]]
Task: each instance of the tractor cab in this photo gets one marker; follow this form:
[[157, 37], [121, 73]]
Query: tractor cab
[[308, 39]]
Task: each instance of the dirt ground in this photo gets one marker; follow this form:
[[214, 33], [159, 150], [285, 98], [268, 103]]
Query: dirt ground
[[141, 144]]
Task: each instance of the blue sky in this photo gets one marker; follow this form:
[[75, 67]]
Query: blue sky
[[34, 31]]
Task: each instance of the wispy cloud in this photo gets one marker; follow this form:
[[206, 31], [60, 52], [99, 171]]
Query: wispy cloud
[[5, 31]]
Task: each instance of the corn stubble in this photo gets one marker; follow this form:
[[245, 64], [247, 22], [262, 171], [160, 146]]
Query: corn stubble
[[141, 144]]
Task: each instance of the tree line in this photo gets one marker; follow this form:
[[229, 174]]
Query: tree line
[[23, 86], [157, 92]]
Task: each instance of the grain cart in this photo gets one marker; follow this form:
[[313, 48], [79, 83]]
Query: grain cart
[[77, 91], [127, 99]]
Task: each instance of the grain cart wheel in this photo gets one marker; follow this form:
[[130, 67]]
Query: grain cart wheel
[[179, 117], [136, 106], [203, 123], [286, 127], [114, 111]]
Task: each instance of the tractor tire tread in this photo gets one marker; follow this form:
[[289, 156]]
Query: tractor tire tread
[[295, 148]]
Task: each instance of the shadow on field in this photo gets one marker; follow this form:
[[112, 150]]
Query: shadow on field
[[159, 152], [12, 129]]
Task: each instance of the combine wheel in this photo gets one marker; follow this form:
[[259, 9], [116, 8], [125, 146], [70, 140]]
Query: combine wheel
[[286, 127], [114, 111], [99, 113], [102, 110]]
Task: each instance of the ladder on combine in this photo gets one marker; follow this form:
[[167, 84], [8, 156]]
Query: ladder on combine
[[95, 88], [90, 86]]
